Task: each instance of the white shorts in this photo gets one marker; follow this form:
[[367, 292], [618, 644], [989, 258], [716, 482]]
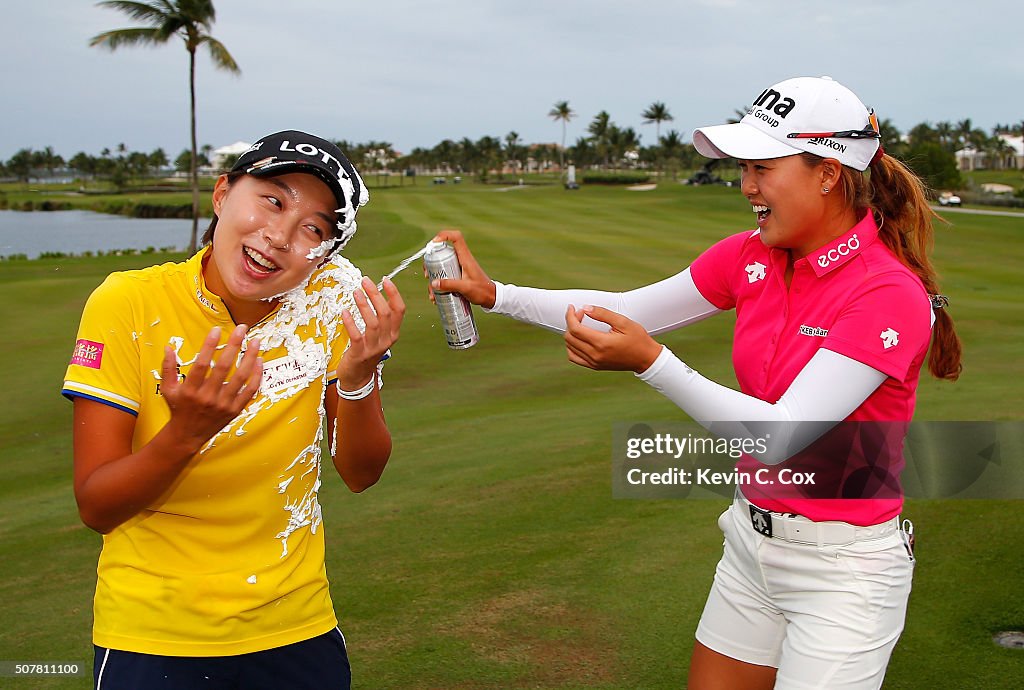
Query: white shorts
[[826, 616]]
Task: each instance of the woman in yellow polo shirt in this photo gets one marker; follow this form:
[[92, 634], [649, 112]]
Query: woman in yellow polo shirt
[[201, 391]]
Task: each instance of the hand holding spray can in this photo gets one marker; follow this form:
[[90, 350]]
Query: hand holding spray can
[[456, 312]]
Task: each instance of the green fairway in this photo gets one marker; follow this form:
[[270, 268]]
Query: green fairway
[[492, 554]]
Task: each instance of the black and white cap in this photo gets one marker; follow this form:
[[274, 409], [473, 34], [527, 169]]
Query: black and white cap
[[294, 151]]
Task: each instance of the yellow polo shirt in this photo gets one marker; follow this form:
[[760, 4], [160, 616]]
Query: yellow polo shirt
[[230, 559]]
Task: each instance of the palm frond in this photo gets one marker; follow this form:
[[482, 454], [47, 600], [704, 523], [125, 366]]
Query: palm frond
[[170, 27], [112, 40], [154, 13], [197, 12], [220, 55]]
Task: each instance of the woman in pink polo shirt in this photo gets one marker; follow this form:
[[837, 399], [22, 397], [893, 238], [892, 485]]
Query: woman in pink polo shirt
[[836, 305]]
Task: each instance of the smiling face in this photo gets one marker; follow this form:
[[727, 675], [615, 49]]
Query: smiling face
[[269, 238], [793, 209]]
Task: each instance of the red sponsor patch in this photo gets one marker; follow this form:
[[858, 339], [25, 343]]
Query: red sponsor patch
[[87, 354]]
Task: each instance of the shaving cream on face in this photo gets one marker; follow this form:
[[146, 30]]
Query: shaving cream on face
[[322, 249]]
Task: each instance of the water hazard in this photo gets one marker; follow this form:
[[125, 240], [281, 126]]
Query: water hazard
[[76, 232]]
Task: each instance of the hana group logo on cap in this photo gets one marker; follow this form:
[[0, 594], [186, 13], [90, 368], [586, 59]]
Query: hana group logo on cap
[[807, 114]]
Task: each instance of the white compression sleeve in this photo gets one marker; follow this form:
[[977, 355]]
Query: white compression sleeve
[[662, 306], [825, 392]]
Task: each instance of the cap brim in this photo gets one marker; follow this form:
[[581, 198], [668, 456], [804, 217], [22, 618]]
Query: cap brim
[[739, 140], [283, 167]]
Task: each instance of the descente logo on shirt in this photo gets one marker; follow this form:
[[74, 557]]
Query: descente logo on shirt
[[839, 251]]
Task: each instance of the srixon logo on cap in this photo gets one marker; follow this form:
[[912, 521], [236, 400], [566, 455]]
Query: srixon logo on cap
[[769, 104], [313, 151]]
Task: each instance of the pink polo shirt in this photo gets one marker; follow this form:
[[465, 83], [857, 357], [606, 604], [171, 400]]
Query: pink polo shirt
[[855, 298]]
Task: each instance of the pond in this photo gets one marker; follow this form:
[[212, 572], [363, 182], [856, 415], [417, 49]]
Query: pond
[[75, 232]]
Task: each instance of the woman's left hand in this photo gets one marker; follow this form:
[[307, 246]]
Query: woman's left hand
[[382, 321], [627, 347]]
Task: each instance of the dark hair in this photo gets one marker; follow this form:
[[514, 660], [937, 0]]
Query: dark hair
[[900, 198], [208, 235], [231, 177]]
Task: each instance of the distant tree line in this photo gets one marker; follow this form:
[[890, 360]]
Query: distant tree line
[[118, 166], [928, 149]]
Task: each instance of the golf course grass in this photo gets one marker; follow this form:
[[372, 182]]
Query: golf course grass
[[492, 554]]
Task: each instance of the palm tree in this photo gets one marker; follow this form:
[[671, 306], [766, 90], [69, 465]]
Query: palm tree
[[488, 151], [600, 130], [963, 131], [583, 151], [624, 143], [20, 165], [737, 115], [539, 153], [948, 138], [51, 160], [657, 113], [467, 155], [999, 152], [562, 111], [190, 20], [671, 146], [512, 142], [445, 153], [892, 139], [158, 159]]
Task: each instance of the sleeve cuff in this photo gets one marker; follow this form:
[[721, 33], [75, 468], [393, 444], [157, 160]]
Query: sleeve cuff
[[656, 367], [499, 298]]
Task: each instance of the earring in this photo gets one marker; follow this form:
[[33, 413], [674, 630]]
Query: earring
[[824, 190]]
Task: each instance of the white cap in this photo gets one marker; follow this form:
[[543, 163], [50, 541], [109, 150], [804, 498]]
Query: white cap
[[804, 105]]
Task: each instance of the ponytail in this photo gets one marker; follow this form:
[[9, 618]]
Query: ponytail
[[899, 199]]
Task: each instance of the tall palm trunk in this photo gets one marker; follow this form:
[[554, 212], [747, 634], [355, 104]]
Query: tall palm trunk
[[193, 171], [561, 158], [657, 150]]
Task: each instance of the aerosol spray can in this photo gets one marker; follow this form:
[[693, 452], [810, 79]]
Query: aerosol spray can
[[456, 312]]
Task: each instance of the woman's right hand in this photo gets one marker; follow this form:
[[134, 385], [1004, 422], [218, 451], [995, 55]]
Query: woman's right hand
[[474, 284], [112, 481], [209, 397]]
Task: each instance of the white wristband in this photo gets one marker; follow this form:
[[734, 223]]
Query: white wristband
[[360, 393]]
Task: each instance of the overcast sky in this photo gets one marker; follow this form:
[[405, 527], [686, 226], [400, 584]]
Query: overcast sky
[[413, 72]]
